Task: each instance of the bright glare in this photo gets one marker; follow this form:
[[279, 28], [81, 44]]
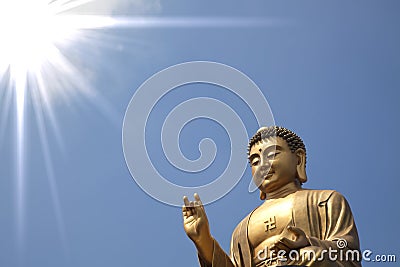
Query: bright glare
[[29, 30], [32, 64], [35, 63]]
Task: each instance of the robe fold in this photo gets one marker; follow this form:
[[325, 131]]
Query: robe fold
[[324, 216]]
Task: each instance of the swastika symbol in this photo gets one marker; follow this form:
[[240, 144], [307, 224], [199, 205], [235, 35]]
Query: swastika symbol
[[270, 224]]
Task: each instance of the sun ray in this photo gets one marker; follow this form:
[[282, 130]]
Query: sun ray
[[33, 66], [36, 38], [20, 83], [41, 96], [60, 6], [189, 22], [40, 110], [5, 99]]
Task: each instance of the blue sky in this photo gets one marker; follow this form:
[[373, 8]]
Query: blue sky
[[329, 70]]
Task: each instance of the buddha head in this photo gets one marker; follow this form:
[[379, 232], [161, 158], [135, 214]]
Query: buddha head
[[277, 157]]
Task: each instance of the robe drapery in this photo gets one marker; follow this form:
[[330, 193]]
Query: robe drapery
[[324, 216]]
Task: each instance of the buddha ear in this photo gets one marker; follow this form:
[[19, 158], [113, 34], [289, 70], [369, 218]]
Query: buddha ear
[[263, 196], [301, 165]]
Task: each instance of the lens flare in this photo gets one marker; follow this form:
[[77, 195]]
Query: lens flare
[[33, 65]]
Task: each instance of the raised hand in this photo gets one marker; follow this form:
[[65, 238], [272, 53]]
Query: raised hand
[[195, 220], [196, 226]]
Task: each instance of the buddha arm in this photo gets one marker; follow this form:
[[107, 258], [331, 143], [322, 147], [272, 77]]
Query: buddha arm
[[339, 224], [219, 258], [336, 229]]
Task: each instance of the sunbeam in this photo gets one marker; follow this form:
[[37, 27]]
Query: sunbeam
[[33, 65], [34, 68]]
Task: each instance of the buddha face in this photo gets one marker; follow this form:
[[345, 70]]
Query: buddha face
[[273, 164]]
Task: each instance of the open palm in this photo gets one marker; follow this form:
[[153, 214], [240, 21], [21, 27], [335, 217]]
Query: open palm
[[195, 220]]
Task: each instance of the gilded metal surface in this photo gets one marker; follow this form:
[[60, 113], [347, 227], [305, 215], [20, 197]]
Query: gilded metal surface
[[291, 220]]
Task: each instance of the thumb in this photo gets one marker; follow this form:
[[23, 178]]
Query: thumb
[[296, 231]]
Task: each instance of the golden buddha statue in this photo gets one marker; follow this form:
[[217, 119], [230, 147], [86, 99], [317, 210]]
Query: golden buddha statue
[[293, 226]]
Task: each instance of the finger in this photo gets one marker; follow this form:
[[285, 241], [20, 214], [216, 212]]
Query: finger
[[199, 204], [193, 209], [280, 246], [185, 214], [186, 201], [186, 210], [296, 231], [275, 250], [188, 218], [288, 243], [197, 198]]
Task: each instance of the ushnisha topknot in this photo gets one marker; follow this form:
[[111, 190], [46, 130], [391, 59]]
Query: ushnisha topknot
[[293, 140]]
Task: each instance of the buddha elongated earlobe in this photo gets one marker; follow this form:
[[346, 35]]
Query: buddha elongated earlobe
[[263, 196], [301, 165]]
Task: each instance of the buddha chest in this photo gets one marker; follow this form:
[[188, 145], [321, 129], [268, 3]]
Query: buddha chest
[[269, 220]]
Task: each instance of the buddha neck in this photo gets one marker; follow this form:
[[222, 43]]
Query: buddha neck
[[285, 190]]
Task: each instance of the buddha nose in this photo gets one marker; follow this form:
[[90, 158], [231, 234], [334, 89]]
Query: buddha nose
[[265, 164], [264, 169]]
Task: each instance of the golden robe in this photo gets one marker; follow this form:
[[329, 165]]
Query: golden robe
[[324, 216]]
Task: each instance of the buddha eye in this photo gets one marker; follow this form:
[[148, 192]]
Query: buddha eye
[[272, 155], [255, 161]]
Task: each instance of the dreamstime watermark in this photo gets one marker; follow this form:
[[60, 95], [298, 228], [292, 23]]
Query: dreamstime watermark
[[154, 90], [341, 253], [369, 256]]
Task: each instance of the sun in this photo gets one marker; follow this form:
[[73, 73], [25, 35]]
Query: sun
[[34, 65], [32, 33], [29, 31]]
